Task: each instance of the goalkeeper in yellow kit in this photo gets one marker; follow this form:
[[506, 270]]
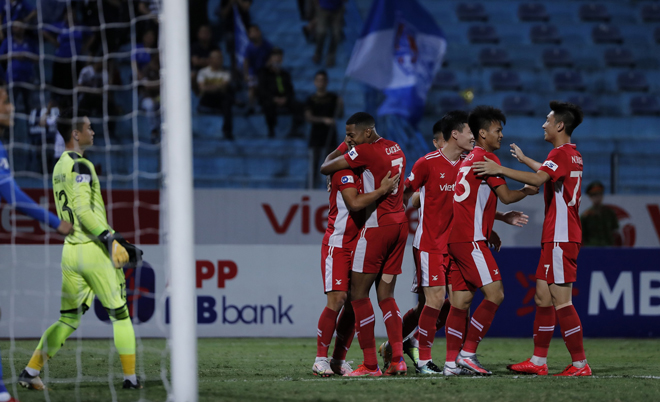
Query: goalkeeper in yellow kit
[[92, 259]]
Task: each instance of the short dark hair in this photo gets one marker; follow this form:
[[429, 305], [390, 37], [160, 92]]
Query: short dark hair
[[254, 26], [277, 51], [66, 121], [451, 121], [323, 73], [482, 117], [568, 113], [361, 119]]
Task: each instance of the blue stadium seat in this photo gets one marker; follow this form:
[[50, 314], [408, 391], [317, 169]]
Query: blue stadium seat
[[568, 81], [505, 80], [586, 102], [484, 33], [452, 102], [594, 12], [544, 33], [518, 105], [650, 12], [446, 80], [532, 12], [619, 57], [471, 12], [606, 33], [632, 81], [644, 105], [557, 57], [494, 56]]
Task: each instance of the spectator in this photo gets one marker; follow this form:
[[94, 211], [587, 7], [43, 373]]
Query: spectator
[[200, 51], [68, 38], [150, 95], [93, 88], [43, 131], [321, 110], [20, 68], [148, 10], [225, 13], [18, 11], [216, 92], [329, 14], [256, 57], [599, 223], [142, 53], [276, 94], [115, 12]]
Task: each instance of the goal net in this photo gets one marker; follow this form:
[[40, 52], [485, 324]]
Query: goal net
[[102, 59]]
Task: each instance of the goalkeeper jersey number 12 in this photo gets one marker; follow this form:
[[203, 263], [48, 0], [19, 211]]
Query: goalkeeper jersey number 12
[[78, 197]]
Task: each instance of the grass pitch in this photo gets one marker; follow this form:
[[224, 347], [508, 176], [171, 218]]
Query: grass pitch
[[275, 369]]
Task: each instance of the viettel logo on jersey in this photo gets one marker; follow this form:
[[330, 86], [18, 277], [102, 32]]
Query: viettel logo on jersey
[[529, 282], [140, 294]]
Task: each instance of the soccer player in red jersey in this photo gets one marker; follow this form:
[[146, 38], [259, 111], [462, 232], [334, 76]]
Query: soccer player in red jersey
[[380, 247], [475, 203], [344, 224], [561, 174]]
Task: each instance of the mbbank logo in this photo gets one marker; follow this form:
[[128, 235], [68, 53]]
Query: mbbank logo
[[140, 294]]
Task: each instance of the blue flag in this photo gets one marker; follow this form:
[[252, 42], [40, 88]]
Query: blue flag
[[241, 39], [399, 52]]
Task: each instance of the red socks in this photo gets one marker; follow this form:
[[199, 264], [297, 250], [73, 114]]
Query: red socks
[[544, 328], [454, 330], [427, 331], [410, 320], [324, 331], [392, 318], [442, 317], [479, 325], [364, 325], [345, 333], [571, 331]]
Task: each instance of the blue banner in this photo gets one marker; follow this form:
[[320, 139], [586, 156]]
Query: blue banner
[[617, 293]]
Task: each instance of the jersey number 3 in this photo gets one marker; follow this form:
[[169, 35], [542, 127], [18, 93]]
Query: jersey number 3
[[65, 205], [463, 172]]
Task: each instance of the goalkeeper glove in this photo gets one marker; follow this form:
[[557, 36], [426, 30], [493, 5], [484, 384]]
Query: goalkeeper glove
[[121, 252]]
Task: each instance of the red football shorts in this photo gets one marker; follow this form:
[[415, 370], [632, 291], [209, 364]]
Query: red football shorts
[[380, 250], [558, 263], [335, 268], [430, 270], [476, 266]]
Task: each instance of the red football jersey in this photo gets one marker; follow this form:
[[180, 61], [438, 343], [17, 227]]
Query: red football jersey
[[562, 195], [378, 158], [475, 201], [342, 229], [434, 175]]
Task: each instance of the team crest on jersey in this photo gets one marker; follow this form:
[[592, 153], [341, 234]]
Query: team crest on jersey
[[347, 179], [551, 165], [83, 178], [353, 154]]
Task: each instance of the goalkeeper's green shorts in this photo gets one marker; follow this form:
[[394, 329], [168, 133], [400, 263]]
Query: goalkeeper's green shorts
[[87, 271]]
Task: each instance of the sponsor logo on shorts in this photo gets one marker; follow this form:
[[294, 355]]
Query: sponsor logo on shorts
[[83, 178], [347, 179], [551, 165]]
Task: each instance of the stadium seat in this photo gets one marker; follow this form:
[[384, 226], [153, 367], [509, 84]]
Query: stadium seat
[[644, 105], [505, 80], [471, 12], [452, 102], [632, 81], [557, 57], [493, 56], [650, 12], [606, 33], [594, 12], [619, 57], [483, 34], [568, 81], [532, 12], [518, 105], [544, 33], [586, 102], [446, 80]]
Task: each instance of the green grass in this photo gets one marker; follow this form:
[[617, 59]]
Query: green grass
[[280, 369]]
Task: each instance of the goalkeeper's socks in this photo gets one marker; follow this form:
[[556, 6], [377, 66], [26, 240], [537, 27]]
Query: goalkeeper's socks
[[31, 371], [132, 378], [324, 331]]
